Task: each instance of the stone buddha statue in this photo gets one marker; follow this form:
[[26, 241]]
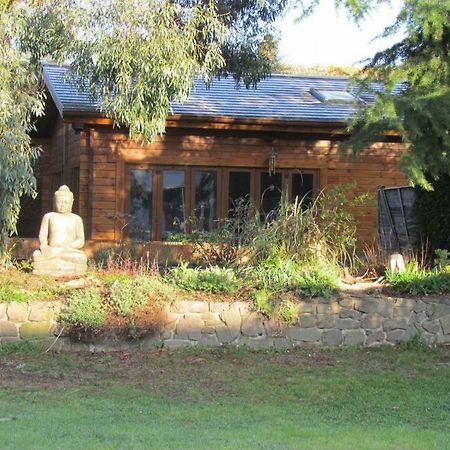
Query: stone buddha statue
[[61, 237]]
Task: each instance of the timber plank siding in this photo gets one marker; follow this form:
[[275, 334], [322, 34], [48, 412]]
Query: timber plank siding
[[113, 151], [216, 132]]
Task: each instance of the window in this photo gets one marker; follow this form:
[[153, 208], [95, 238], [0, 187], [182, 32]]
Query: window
[[333, 96], [239, 188], [162, 199], [174, 203], [206, 200], [271, 190], [302, 187], [141, 198]]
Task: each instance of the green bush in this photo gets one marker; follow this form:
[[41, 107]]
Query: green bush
[[288, 312], [415, 280], [433, 214], [10, 294], [130, 295], [264, 302], [319, 281], [212, 279], [85, 309], [275, 305], [278, 274], [274, 273]]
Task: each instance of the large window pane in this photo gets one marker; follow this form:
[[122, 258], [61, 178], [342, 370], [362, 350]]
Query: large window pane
[[238, 189], [270, 192], [141, 204], [206, 200], [302, 187], [174, 205]]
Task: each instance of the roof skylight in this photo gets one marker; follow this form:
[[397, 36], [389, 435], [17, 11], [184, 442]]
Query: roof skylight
[[332, 96]]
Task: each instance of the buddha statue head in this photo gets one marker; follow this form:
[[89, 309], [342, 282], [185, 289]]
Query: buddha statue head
[[63, 200]]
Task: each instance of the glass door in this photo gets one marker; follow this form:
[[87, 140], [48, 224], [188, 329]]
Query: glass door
[[173, 203], [205, 206], [141, 202], [271, 187]]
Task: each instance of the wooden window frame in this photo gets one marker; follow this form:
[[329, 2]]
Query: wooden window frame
[[222, 188]]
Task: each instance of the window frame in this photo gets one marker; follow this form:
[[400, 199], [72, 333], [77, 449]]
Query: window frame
[[222, 173]]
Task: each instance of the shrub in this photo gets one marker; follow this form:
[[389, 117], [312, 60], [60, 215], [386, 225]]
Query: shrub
[[432, 210], [85, 309], [124, 258], [232, 242], [319, 281], [278, 274], [10, 294], [273, 274], [273, 305], [442, 259], [130, 295], [212, 279], [415, 280], [288, 312], [264, 302]]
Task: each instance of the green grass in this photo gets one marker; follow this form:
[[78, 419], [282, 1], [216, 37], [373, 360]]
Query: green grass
[[390, 398], [418, 281]]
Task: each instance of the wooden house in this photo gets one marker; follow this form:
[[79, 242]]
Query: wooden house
[[226, 142]]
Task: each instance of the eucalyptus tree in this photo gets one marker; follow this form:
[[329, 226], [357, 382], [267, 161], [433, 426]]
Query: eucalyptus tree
[[134, 56]]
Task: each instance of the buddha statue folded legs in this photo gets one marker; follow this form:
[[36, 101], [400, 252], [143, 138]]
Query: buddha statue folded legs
[[61, 238]]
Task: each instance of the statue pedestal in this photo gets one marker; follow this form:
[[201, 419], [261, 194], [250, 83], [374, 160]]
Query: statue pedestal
[[57, 267]]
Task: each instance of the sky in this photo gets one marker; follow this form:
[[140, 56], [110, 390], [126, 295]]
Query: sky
[[328, 37]]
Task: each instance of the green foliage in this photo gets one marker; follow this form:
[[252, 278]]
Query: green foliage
[[273, 274], [21, 101], [134, 57], [433, 214], [319, 281], [284, 275], [18, 348], [417, 343], [264, 302], [10, 294], [111, 278], [321, 231], [15, 290], [85, 309], [275, 306], [287, 312], [419, 110], [212, 279], [129, 296], [442, 260], [419, 281]]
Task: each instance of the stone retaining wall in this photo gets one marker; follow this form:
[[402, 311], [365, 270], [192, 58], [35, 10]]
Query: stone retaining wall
[[32, 320], [348, 320]]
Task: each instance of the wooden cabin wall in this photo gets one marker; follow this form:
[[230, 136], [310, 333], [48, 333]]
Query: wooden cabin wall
[[113, 150], [60, 164]]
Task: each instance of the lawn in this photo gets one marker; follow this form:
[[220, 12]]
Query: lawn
[[388, 398]]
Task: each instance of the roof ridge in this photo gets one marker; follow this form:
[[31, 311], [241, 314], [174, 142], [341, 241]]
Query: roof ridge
[[273, 75]]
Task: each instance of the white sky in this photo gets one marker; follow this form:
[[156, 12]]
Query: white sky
[[328, 37]]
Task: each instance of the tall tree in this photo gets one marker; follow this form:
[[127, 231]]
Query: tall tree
[[20, 103], [135, 57], [411, 85]]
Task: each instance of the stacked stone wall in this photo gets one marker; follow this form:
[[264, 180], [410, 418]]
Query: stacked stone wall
[[32, 320], [348, 320]]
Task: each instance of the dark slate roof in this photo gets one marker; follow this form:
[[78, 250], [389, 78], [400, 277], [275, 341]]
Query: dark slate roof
[[280, 97]]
